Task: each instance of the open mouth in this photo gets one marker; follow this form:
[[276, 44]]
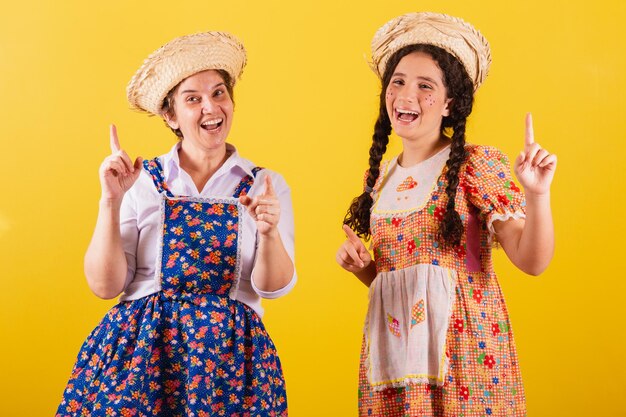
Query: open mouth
[[406, 115], [212, 124]]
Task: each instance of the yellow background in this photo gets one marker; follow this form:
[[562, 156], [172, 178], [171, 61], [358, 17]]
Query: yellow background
[[305, 108]]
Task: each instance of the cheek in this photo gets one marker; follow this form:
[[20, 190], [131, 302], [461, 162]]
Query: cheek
[[229, 111], [429, 100], [227, 107], [389, 97]]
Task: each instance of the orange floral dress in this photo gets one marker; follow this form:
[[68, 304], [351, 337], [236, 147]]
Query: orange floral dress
[[437, 338]]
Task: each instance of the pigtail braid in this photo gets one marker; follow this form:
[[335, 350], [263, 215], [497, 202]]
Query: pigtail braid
[[358, 216], [451, 228]]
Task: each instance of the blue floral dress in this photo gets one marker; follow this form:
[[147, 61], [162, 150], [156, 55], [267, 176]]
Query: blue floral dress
[[189, 349]]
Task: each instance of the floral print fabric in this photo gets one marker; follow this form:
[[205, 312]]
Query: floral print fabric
[[190, 349], [200, 243], [483, 376]]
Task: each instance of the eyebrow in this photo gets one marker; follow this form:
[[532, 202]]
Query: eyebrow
[[195, 91], [400, 74]]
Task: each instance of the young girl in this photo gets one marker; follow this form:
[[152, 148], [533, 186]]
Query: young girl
[[437, 336], [193, 238]]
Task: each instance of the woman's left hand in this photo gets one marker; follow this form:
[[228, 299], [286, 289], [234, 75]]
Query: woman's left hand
[[264, 208], [534, 167]]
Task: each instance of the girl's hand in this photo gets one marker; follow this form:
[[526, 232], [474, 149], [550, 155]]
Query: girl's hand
[[352, 255], [264, 209], [534, 167], [117, 172]]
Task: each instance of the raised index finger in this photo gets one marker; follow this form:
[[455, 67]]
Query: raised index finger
[[530, 134], [351, 235], [269, 187], [114, 141]]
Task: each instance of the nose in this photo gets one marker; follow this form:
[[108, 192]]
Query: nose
[[405, 95], [208, 106]]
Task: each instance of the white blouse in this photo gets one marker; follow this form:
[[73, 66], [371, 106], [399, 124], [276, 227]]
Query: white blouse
[[140, 223]]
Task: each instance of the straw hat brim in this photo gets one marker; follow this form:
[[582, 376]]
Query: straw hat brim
[[452, 34], [180, 58]]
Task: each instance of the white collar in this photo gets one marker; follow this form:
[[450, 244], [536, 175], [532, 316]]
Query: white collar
[[172, 168]]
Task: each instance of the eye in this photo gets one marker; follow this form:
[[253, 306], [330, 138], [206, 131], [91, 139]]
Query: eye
[[218, 93], [398, 81], [425, 86], [192, 99]]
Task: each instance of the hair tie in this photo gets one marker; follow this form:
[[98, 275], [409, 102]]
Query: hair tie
[[368, 189]]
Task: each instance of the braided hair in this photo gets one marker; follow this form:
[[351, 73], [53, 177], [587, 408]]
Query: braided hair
[[460, 89]]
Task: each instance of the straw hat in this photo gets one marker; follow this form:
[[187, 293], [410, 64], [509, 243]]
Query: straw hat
[[179, 59], [454, 35]]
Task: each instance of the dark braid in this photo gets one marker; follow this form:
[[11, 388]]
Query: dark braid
[[358, 216], [460, 89], [451, 228]]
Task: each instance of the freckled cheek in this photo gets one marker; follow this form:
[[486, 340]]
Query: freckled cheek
[[429, 101], [389, 97]]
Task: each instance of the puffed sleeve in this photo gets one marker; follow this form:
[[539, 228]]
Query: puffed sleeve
[[490, 186], [285, 229]]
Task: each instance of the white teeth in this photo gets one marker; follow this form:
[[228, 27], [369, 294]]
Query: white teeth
[[211, 122], [407, 112]]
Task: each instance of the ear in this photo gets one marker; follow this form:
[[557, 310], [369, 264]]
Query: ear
[[447, 108], [170, 120]]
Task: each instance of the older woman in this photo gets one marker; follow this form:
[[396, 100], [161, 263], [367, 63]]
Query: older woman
[[192, 240]]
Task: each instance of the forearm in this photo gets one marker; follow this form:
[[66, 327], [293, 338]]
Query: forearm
[[533, 249], [367, 274], [273, 267], [105, 261]]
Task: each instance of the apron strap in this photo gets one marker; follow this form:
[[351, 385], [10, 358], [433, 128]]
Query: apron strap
[[154, 168], [245, 183]]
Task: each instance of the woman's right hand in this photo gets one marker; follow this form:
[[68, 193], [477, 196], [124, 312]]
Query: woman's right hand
[[117, 172], [352, 255]]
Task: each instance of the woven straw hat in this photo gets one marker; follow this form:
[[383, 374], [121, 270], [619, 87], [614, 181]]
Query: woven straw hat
[[454, 35], [179, 59]]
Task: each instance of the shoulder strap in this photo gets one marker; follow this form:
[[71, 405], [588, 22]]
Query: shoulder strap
[[246, 182], [154, 168]]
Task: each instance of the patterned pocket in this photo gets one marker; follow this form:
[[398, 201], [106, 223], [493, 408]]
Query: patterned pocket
[[394, 325], [418, 314]]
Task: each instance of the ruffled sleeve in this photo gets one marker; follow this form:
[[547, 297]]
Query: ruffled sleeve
[[490, 186]]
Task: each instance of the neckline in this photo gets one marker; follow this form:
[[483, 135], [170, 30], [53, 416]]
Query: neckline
[[430, 158], [393, 165]]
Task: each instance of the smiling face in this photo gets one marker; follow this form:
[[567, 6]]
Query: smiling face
[[202, 111], [416, 98]]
